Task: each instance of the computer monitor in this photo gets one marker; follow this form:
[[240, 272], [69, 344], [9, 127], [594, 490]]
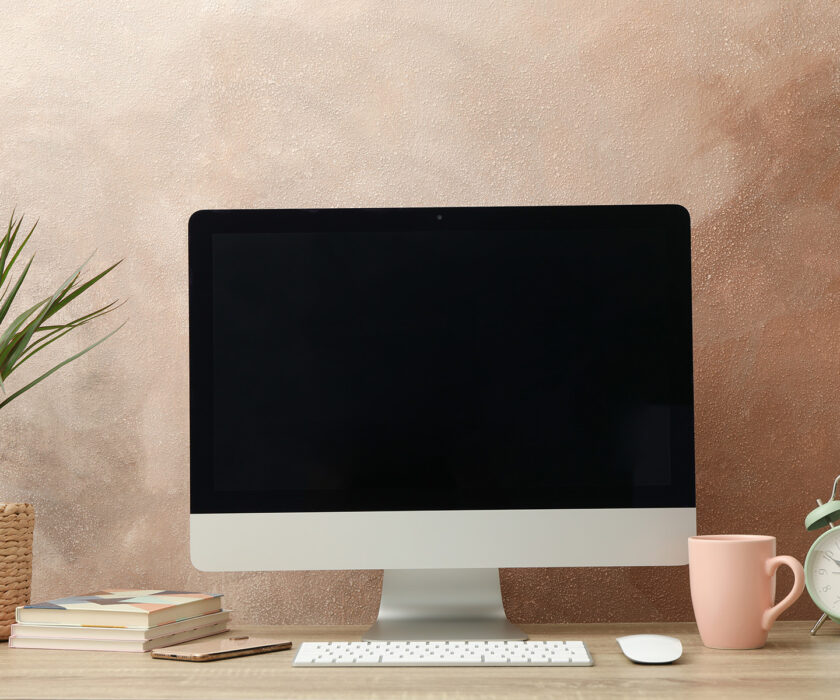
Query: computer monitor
[[439, 393]]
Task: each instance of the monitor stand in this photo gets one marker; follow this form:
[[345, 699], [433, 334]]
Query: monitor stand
[[442, 604]]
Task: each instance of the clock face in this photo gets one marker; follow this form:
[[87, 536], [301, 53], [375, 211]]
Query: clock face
[[822, 572]]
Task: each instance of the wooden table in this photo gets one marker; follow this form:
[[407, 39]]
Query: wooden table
[[792, 665]]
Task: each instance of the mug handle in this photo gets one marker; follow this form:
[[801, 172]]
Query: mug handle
[[770, 567]]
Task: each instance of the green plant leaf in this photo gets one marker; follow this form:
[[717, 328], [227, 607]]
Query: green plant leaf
[[8, 361], [34, 348], [5, 344], [4, 243], [4, 309], [29, 330], [8, 241], [101, 311], [59, 366], [62, 330], [5, 271], [68, 297]]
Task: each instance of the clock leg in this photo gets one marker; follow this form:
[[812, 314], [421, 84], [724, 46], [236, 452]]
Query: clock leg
[[819, 624]]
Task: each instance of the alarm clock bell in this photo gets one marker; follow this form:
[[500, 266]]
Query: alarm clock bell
[[822, 515]]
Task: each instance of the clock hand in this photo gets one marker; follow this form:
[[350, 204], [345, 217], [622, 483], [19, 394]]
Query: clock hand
[[825, 554]]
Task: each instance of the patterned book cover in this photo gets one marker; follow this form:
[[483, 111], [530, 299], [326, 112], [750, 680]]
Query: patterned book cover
[[32, 629], [130, 608]]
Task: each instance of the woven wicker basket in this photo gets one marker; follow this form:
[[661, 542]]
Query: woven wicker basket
[[17, 523]]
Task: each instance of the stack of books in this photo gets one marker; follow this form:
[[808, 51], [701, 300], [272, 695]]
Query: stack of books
[[119, 620]]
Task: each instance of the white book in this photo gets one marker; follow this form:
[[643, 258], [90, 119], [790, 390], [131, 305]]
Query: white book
[[136, 645], [34, 629]]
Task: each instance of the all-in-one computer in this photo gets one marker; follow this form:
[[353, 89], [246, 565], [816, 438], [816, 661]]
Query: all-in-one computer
[[439, 393]]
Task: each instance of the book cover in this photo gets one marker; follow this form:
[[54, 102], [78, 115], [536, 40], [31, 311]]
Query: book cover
[[137, 645], [121, 608], [32, 629]]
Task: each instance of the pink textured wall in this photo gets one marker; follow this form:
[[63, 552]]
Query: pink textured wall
[[118, 123]]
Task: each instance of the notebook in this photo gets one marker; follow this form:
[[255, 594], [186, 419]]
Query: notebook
[[32, 629], [121, 608], [137, 645]]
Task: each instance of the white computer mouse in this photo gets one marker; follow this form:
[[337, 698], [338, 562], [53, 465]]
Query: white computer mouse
[[650, 648]]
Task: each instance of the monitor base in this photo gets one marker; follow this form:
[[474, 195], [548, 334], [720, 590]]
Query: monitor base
[[442, 604]]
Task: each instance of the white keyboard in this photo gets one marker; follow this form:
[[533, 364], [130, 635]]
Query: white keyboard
[[553, 653]]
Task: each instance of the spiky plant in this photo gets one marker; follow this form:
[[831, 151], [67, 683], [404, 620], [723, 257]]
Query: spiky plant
[[35, 328]]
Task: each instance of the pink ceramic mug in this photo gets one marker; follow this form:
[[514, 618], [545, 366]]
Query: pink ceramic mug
[[733, 586]]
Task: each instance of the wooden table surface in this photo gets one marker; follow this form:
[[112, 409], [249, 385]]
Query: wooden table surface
[[792, 665]]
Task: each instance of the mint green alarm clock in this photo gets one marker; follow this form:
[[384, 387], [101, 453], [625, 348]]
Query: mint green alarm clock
[[822, 565]]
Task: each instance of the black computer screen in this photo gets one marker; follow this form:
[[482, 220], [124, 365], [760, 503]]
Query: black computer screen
[[537, 361]]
